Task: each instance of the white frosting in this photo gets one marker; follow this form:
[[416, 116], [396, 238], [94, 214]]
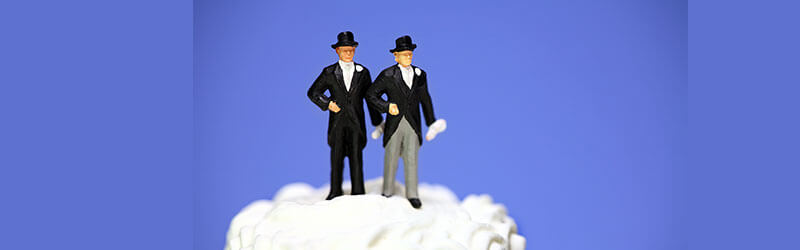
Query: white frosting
[[299, 218]]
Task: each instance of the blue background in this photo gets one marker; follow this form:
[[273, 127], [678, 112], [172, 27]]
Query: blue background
[[571, 113], [95, 124], [96, 120]]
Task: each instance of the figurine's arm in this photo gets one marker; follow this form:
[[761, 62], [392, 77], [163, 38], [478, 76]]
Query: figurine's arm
[[425, 102], [434, 126], [374, 93], [317, 92], [374, 115]]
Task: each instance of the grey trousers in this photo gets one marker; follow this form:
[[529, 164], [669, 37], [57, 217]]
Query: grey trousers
[[403, 143]]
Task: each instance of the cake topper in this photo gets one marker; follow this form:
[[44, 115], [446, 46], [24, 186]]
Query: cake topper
[[347, 83], [406, 87]]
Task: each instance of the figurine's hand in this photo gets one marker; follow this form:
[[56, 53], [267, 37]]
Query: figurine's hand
[[378, 130], [393, 110], [333, 107], [437, 127]]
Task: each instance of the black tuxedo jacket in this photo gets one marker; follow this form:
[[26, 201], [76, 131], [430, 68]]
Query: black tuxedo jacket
[[350, 102], [390, 82]]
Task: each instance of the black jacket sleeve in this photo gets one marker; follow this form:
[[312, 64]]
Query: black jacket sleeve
[[374, 114], [374, 93], [425, 101], [317, 92]]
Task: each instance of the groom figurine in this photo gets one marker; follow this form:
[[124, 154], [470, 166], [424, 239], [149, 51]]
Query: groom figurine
[[347, 82], [406, 87]]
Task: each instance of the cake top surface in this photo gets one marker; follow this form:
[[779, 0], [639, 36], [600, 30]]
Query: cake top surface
[[299, 218]]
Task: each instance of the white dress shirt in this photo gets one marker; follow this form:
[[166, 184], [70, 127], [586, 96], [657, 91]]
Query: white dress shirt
[[347, 72], [408, 74]]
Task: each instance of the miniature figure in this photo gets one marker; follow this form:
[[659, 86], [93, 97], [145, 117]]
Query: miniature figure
[[406, 87], [347, 83]]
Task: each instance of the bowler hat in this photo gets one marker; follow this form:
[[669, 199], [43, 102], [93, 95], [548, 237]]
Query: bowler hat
[[344, 39], [403, 43]]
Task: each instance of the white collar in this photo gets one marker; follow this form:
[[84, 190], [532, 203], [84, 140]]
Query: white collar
[[405, 68], [342, 63]]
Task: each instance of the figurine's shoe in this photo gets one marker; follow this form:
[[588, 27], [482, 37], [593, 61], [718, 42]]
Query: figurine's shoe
[[386, 195], [416, 203], [333, 195]]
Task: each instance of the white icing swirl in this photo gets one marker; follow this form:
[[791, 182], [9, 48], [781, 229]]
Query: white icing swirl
[[299, 218]]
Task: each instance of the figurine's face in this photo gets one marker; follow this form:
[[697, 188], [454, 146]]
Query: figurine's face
[[403, 57], [346, 53]]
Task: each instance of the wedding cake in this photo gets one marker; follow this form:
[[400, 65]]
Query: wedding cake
[[298, 217]]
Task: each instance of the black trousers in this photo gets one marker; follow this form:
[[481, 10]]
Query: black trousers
[[346, 144]]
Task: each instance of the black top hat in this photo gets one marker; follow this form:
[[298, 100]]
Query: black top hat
[[344, 39], [403, 43]]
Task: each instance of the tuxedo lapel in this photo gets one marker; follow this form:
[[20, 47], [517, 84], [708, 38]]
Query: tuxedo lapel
[[398, 76], [354, 82], [415, 81], [340, 78]]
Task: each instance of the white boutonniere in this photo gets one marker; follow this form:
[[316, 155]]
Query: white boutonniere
[[417, 71], [359, 68]]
